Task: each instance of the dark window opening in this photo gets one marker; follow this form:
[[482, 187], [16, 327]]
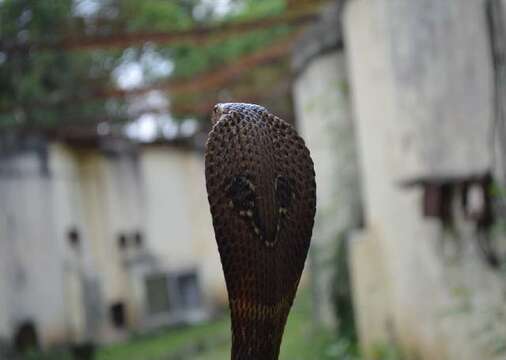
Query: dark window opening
[[189, 291], [118, 315], [174, 294], [138, 239], [73, 238], [122, 241], [157, 291], [26, 337], [83, 351]]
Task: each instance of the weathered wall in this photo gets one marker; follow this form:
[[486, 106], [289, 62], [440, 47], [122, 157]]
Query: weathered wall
[[5, 329], [132, 211], [423, 101], [440, 83], [112, 205], [31, 254], [497, 15], [4, 316], [202, 233], [323, 114], [179, 229], [68, 217]]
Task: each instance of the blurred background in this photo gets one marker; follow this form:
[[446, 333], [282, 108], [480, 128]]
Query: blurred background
[[106, 245]]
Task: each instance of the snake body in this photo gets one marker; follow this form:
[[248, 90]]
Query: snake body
[[262, 194]]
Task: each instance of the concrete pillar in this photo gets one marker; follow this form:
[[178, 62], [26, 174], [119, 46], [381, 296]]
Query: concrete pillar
[[422, 86], [31, 255], [112, 203], [4, 279], [496, 11], [321, 95], [4, 315]]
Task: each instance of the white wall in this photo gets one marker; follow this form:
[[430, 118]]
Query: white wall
[[158, 191], [111, 189], [69, 216], [322, 104], [31, 253], [422, 96], [178, 222]]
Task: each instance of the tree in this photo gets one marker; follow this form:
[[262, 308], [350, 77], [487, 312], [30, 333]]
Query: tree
[[46, 86], [30, 77]]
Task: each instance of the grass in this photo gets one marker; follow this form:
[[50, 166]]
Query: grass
[[301, 341], [164, 343]]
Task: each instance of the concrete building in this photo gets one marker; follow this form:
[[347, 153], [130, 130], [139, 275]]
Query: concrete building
[[31, 253], [99, 238], [324, 119], [424, 106], [426, 119]]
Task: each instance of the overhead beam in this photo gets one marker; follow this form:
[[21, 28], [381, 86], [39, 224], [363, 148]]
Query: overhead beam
[[205, 81], [194, 35]]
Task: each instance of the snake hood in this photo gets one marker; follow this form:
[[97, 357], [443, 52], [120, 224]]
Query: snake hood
[[262, 194]]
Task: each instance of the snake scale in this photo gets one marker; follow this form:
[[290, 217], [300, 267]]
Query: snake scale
[[261, 189]]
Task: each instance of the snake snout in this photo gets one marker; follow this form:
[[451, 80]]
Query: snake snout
[[216, 114]]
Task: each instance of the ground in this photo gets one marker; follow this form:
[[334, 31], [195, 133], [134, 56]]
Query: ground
[[211, 341], [301, 341]]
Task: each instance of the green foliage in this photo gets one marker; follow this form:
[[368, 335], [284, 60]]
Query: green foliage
[[51, 355], [386, 352], [164, 343], [303, 340], [156, 15], [259, 8], [33, 80], [50, 87], [189, 59]]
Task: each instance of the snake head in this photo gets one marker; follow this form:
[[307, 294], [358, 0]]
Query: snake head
[[221, 109]]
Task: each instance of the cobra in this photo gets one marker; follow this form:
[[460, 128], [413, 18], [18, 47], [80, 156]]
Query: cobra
[[261, 189]]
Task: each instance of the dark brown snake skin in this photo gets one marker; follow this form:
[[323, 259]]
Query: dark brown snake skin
[[262, 193]]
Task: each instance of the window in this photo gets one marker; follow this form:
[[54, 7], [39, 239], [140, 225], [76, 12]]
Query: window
[[26, 337], [157, 292], [122, 241], [73, 238], [138, 239], [175, 295], [188, 288], [118, 315]]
